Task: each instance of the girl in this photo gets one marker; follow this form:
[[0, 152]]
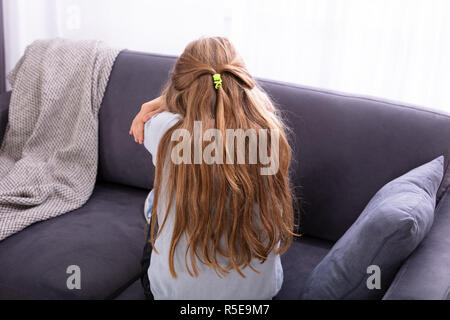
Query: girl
[[222, 225]]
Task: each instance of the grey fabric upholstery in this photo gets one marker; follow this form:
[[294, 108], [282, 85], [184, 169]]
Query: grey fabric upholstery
[[49, 152], [298, 262], [346, 147], [426, 274], [4, 104], [104, 238], [2, 52], [135, 79], [391, 226], [133, 292]]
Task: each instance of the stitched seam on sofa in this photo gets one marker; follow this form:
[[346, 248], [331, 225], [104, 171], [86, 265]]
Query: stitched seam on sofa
[[378, 252], [416, 108]]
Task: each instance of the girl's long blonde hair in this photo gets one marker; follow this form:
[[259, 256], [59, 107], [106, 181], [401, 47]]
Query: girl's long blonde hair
[[253, 212]]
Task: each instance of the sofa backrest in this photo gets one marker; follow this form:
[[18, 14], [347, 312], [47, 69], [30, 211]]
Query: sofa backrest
[[135, 78], [345, 147]]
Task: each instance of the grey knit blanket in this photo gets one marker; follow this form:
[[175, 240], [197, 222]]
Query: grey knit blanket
[[48, 155]]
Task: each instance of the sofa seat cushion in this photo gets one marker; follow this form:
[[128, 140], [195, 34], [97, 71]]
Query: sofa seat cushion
[[104, 238], [298, 262]]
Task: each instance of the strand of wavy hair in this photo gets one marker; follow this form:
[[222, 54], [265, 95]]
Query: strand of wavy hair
[[223, 208]]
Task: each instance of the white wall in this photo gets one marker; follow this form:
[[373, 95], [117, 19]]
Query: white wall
[[397, 49]]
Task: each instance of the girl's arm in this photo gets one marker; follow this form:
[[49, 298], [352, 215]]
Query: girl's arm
[[154, 130], [148, 110]]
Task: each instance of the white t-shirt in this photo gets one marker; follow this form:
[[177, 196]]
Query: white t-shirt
[[208, 285]]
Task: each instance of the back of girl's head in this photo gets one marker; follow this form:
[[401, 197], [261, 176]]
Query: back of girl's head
[[193, 73], [224, 199]]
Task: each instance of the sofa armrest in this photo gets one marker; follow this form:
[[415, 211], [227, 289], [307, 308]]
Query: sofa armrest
[[425, 275], [4, 107]]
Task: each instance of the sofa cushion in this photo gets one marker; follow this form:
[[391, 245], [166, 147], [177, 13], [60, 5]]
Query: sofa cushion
[[391, 226], [105, 238], [298, 262], [4, 110], [133, 292]]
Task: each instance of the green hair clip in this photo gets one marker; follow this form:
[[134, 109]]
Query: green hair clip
[[217, 80]]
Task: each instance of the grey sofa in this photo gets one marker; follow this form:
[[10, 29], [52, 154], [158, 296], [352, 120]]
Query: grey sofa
[[345, 148]]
